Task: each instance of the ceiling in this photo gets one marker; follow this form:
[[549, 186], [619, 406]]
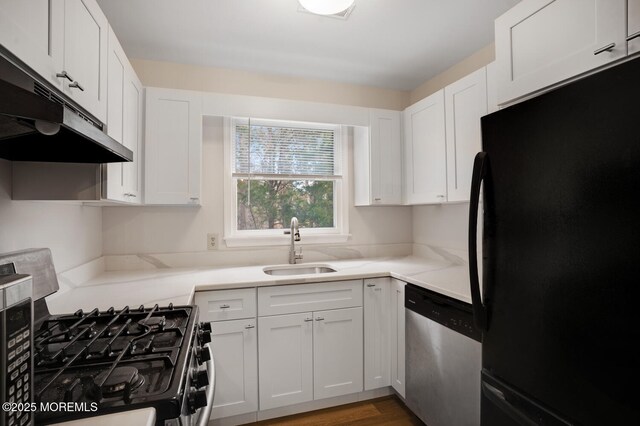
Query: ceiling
[[393, 44]]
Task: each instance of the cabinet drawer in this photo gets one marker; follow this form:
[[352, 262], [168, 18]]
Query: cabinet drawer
[[220, 305], [290, 299]]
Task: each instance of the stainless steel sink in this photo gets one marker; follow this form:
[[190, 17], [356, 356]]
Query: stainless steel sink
[[298, 269]]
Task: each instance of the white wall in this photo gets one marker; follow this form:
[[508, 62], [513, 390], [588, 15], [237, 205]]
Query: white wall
[[73, 232], [153, 230]]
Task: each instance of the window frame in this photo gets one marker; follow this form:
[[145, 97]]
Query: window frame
[[263, 237]]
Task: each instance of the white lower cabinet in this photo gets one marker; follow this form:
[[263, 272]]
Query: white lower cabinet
[[297, 355], [337, 352], [397, 336], [235, 352], [309, 354], [286, 359], [234, 341], [376, 333]]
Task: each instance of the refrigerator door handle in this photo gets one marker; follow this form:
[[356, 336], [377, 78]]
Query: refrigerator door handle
[[498, 398], [480, 314]]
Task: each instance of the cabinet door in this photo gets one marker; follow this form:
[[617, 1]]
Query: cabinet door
[[376, 333], [337, 352], [116, 66], [124, 124], [286, 359], [397, 336], [543, 42], [633, 26], [235, 351], [32, 30], [173, 146], [85, 55], [132, 135], [465, 102], [385, 158], [425, 151]]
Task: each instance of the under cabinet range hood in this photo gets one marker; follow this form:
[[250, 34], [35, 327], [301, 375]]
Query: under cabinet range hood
[[37, 124]]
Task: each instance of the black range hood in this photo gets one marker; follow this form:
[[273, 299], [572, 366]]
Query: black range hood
[[37, 124]]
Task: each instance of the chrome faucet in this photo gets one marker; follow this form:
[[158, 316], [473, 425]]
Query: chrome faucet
[[295, 236]]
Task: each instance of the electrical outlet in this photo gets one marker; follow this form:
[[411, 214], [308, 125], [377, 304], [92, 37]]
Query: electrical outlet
[[212, 241]]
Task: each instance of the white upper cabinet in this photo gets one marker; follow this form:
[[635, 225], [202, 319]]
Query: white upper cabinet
[[124, 124], [33, 31], [425, 154], [377, 160], [542, 42], [173, 147], [633, 26], [465, 103], [132, 133], [442, 134], [65, 41], [85, 55]]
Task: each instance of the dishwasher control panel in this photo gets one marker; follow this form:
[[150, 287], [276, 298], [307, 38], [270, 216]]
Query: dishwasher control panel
[[451, 313]]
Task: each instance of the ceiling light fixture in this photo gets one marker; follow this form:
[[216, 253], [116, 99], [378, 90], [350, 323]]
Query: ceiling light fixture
[[326, 7]]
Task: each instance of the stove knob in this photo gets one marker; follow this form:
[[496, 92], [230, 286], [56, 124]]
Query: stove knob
[[206, 326], [197, 399], [202, 355], [205, 337], [199, 378]]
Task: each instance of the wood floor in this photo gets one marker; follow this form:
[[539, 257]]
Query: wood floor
[[381, 411]]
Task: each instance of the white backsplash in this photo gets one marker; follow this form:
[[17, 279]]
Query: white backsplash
[[73, 232]]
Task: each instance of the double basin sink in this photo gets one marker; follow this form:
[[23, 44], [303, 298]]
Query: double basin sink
[[310, 269]]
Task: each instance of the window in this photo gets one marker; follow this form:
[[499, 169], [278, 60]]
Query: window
[[279, 170]]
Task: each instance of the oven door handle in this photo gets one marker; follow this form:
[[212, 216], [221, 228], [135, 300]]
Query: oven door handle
[[203, 420]]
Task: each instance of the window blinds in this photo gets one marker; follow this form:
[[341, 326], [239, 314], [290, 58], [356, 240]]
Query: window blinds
[[283, 151]]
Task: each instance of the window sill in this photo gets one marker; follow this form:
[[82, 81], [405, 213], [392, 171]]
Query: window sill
[[285, 240]]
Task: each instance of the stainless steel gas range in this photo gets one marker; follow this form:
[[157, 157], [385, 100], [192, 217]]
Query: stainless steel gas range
[[100, 362]]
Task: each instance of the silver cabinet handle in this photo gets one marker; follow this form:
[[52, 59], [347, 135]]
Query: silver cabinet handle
[[194, 198], [224, 306], [633, 36], [607, 48], [248, 327], [371, 285], [76, 85], [320, 319], [439, 196], [64, 74], [133, 195], [308, 319], [377, 199]]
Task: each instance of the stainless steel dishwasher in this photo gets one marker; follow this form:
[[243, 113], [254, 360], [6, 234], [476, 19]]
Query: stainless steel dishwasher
[[443, 359]]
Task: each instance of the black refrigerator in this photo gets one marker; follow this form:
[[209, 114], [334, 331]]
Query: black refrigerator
[[559, 304]]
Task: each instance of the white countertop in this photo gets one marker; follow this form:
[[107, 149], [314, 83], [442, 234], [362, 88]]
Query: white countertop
[[177, 285]]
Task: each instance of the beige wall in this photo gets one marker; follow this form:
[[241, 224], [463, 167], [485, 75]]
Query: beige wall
[[476, 61], [221, 80]]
